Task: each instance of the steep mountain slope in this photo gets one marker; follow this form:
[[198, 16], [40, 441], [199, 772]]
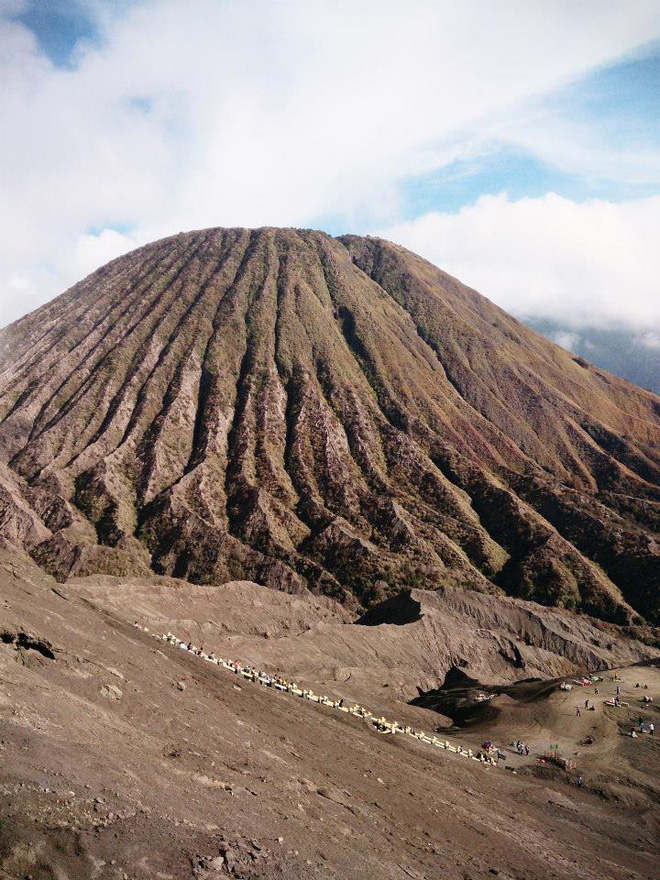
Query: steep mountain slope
[[304, 411]]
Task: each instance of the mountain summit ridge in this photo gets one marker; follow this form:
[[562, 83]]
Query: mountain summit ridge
[[338, 414]]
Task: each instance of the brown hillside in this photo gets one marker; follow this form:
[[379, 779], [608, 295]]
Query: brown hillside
[[336, 414]]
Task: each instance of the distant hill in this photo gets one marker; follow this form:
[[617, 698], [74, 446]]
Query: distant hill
[[332, 414], [622, 352]]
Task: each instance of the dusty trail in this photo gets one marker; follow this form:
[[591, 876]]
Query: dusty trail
[[379, 723]]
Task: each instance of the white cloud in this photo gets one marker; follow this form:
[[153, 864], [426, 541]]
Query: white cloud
[[581, 147], [22, 292], [92, 251], [566, 339], [594, 263], [196, 114], [650, 340]]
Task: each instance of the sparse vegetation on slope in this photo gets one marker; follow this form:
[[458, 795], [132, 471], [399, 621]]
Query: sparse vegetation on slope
[[329, 414]]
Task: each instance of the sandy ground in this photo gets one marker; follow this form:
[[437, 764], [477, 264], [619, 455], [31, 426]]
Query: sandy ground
[[125, 758], [613, 761]]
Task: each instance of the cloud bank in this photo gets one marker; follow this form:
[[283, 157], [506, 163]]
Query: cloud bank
[[182, 116], [593, 263]]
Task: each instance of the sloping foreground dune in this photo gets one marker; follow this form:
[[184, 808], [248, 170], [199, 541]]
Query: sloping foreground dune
[[123, 757]]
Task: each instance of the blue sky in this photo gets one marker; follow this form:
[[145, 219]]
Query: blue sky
[[59, 28], [621, 105], [516, 145]]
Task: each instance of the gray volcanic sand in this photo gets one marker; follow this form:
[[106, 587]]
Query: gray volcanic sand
[[124, 757]]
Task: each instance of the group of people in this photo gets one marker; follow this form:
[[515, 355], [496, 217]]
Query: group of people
[[612, 701], [495, 752], [590, 708], [642, 727]]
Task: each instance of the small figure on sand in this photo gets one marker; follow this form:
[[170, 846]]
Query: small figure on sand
[[578, 714]]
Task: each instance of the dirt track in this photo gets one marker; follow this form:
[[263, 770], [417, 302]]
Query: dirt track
[[124, 758]]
